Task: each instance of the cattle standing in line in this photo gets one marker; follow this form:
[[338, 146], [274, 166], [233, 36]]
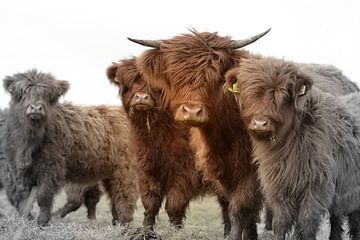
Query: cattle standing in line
[[51, 143], [166, 165], [306, 144], [190, 69]]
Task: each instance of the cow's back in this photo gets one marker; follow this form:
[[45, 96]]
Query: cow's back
[[93, 138], [329, 78]]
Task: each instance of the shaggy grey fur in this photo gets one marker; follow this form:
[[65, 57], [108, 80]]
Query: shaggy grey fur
[[329, 78], [77, 194], [326, 154], [48, 144], [311, 165], [7, 169]]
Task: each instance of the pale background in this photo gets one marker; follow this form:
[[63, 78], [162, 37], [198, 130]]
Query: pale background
[[76, 40]]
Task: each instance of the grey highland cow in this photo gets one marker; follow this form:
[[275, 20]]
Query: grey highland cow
[[306, 144], [50, 144]]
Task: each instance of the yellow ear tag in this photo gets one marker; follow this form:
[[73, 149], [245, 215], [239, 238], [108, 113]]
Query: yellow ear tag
[[302, 90], [235, 88]]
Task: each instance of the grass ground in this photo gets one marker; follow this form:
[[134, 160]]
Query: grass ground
[[203, 223]]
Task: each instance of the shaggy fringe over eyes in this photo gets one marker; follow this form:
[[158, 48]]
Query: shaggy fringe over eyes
[[47, 87], [197, 58], [271, 81]]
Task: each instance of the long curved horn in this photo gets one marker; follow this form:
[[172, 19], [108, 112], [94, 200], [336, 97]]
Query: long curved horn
[[147, 43], [247, 41]]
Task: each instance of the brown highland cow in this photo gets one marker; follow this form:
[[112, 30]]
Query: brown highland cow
[[166, 165], [306, 144], [51, 143]]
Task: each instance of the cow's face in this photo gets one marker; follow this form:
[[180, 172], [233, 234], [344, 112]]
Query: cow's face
[[33, 95], [270, 94], [189, 69], [136, 94]]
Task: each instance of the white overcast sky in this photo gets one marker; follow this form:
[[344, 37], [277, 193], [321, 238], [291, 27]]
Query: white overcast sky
[[76, 40]]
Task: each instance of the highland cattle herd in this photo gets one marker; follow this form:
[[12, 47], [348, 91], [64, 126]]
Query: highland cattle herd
[[199, 116]]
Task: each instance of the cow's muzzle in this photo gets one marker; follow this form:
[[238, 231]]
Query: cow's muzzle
[[36, 111], [142, 101], [192, 114], [261, 127]]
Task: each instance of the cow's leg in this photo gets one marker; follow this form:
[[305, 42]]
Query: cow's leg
[[91, 198], [268, 217], [309, 217], [122, 193], [151, 197], [283, 217], [45, 199], [70, 206], [224, 204], [336, 229], [244, 208], [354, 225], [177, 200]]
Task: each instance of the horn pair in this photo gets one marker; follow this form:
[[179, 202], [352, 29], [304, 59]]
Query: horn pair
[[235, 43]]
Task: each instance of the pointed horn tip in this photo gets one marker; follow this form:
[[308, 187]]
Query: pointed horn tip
[[245, 42], [268, 30], [134, 40], [147, 43]]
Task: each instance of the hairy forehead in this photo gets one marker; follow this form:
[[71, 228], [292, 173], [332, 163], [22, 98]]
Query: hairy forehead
[[196, 59], [265, 80], [37, 83], [269, 74], [127, 72], [204, 41]]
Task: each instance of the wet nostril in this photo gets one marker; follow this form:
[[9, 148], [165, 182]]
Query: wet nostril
[[186, 109], [198, 110]]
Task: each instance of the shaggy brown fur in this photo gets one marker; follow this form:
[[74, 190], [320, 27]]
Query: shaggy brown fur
[[166, 165], [78, 194], [189, 69], [52, 143], [306, 143]]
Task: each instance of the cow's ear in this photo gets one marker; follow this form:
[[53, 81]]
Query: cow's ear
[[9, 84], [152, 67], [111, 73], [302, 86], [231, 79], [63, 87]]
